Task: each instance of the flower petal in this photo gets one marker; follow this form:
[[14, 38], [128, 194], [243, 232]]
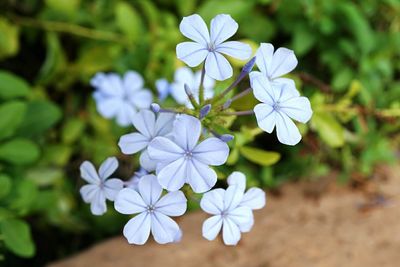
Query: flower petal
[[98, 204], [164, 124], [194, 28], [184, 75], [283, 62], [222, 27], [200, 177], [128, 201], [230, 232], [112, 188], [88, 192], [111, 85], [88, 173], [235, 49], [187, 130], [211, 151], [211, 227], [137, 229], [218, 67], [125, 113], [145, 122], [266, 117], [241, 216], [237, 178], [163, 88], [146, 162], [132, 81], [173, 176], [233, 196], [132, 143], [287, 131], [142, 99], [163, 228], [246, 227], [264, 57], [163, 149], [108, 107], [191, 53], [297, 108], [254, 198], [262, 88], [213, 201], [172, 204], [150, 189], [108, 167]]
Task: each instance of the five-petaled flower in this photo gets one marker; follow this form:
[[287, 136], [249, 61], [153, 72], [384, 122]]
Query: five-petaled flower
[[148, 128], [100, 187], [208, 46], [181, 160], [280, 104], [120, 98], [153, 212]]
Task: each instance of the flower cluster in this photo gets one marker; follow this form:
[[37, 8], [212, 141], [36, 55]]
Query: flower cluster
[[180, 146]]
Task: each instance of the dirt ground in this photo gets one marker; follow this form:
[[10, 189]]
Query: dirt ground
[[309, 225]]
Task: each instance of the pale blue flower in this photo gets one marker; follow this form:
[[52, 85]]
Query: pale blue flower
[[152, 212], [120, 98], [133, 183], [208, 46], [274, 65], [227, 213], [148, 128], [181, 160], [279, 105], [100, 187], [163, 88], [185, 75]]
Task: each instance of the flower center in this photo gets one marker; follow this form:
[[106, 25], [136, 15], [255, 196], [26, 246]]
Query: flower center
[[276, 106], [188, 154], [150, 209], [211, 47]]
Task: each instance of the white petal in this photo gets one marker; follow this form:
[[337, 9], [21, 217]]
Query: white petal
[[184, 75], [145, 122], [112, 188], [98, 79], [146, 162], [112, 85], [297, 108], [132, 81], [173, 176], [187, 130], [164, 124], [266, 117], [241, 216], [109, 107], [200, 177], [137, 229], [132, 143], [262, 89], [285, 90], [178, 236], [88, 173], [237, 178], [150, 189], [108, 167], [142, 99], [213, 201], [172, 204], [246, 227], [283, 62], [211, 227], [191, 53], [163, 149], [287, 131], [235, 49], [211, 151], [222, 27], [128, 201], [233, 196], [230, 232], [88, 192], [163, 228], [254, 198], [264, 57], [278, 82], [163, 88], [179, 94], [218, 67], [98, 205], [125, 113], [194, 28]]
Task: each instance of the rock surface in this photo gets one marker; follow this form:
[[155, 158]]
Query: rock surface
[[342, 227]]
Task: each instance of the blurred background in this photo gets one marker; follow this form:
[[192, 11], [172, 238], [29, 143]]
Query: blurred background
[[349, 67]]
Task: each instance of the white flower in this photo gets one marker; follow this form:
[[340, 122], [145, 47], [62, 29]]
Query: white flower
[[133, 183], [274, 65], [163, 88], [100, 188], [184, 76], [280, 104], [152, 210], [228, 214], [254, 198], [209, 46], [120, 98], [148, 128], [182, 160]]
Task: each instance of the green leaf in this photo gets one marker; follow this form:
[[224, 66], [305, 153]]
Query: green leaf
[[328, 128], [5, 185], [17, 237], [24, 196], [12, 114], [128, 21], [9, 43], [63, 6], [12, 86], [238, 9], [19, 151], [259, 156], [42, 116], [72, 130]]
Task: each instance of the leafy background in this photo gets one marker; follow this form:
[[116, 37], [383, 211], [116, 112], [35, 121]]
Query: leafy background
[[349, 67]]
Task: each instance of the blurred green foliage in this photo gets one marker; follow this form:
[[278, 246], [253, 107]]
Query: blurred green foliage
[[349, 66]]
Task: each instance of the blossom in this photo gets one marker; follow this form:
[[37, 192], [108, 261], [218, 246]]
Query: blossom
[[100, 187], [133, 183], [208, 46], [120, 98], [280, 104], [163, 88], [148, 128], [227, 213], [274, 65], [152, 212], [182, 160]]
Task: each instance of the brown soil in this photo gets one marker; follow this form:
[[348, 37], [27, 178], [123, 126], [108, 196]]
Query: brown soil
[[340, 227]]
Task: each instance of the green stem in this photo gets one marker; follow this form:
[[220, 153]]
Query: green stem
[[201, 86]]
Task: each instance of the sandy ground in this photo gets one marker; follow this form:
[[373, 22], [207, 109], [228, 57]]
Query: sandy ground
[[340, 227]]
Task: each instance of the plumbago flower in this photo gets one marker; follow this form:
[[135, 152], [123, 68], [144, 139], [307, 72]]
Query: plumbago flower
[[120, 98], [153, 212], [148, 128], [163, 88], [100, 187], [279, 105], [133, 183], [181, 160], [210, 46]]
